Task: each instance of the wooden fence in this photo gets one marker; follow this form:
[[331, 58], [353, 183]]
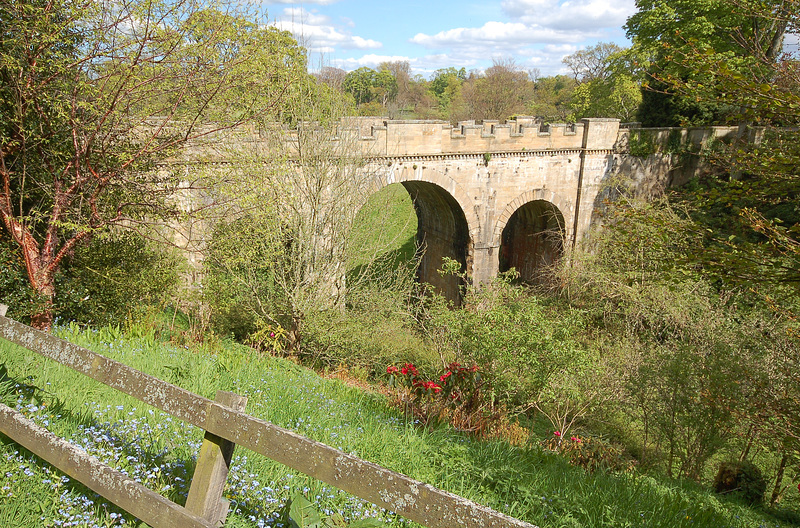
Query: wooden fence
[[225, 424]]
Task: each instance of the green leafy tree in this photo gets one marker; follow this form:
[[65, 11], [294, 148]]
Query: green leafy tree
[[607, 83], [552, 98], [93, 93], [358, 83], [747, 209], [370, 86], [735, 33], [446, 88]]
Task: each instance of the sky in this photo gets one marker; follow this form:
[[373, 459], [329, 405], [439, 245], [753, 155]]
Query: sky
[[435, 34]]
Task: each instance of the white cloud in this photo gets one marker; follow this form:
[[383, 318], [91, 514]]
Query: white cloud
[[538, 33], [574, 15], [370, 61], [319, 33], [509, 35]]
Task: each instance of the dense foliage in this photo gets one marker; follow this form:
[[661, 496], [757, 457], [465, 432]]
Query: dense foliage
[[93, 93], [99, 283]]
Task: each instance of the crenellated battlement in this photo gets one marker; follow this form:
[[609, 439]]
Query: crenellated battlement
[[392, 138]]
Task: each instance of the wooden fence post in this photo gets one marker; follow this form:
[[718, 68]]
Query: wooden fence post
[[205, 494]]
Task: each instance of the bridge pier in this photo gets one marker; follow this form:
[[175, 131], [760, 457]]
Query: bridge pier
[[485, 263]]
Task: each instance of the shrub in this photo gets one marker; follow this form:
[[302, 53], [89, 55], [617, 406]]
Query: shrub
[[743, 479], [459, 395], [100, 283], [115, 274], [512, 334], [588, 452]]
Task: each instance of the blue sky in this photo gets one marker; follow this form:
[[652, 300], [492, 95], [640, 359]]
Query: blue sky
[[436, 34]]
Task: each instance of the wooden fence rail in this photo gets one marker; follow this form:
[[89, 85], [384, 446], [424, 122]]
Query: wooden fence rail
[[225, 424]]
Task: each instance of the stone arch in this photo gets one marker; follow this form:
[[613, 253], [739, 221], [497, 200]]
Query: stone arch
[[447, 222], [531, 233]]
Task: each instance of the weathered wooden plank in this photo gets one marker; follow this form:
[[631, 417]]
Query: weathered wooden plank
[[117, 487], [171, 399], [213, 463], [410, 498]]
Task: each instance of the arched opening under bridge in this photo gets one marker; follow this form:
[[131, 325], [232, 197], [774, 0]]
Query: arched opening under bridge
[[532, 240]]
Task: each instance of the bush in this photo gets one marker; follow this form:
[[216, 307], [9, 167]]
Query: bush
[[590, 453], [100, 283], [375, 330], [521, 345], [743, 479], [114, 275]]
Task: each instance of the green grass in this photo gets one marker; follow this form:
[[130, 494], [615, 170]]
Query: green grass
[[385, 227], [158, 450]]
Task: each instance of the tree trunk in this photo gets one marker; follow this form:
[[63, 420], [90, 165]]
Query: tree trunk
[[42, 318], [40, 266], [776, 490], [751, 436], [293, 336]]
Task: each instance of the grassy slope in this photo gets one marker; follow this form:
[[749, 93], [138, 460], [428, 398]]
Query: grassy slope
[[386, 226], [527, 483]]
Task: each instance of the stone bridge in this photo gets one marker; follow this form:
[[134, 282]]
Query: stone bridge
[[517, 195], [495, 196]]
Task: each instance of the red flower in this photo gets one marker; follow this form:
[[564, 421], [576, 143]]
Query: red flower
[[391, 369], [404, 371], [557, 433], [575, 439], [429, 385], [445, 375]]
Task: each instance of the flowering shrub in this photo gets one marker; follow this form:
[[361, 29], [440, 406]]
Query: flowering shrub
[[268, 338], [456, 395]]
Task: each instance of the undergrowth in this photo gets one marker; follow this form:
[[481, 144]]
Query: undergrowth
[[529, 482]]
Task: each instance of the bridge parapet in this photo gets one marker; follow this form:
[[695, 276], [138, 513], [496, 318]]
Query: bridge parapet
[[418, 137], [376, 137]]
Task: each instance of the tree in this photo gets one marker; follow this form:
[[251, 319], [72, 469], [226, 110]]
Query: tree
[[93, 93], [742, 216], [446, 89], [735, 33], [747, 208], [500, 93], [333, 77], [367, 85], [282, 254], [552, 98], [607, 83], [593, 62]]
